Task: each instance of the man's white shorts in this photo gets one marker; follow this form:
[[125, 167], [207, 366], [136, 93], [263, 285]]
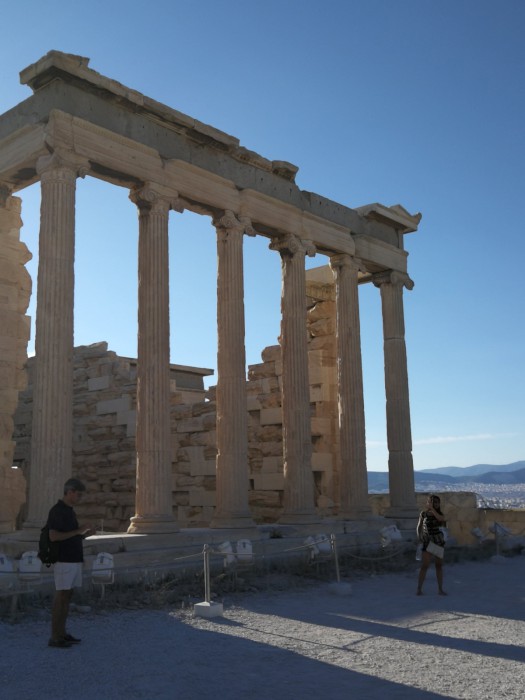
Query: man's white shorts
[[68, 575]]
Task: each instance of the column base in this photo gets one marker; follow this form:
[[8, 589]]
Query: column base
[[152, 525]]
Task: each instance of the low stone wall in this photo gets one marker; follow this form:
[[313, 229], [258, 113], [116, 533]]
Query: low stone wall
[[462, 513]]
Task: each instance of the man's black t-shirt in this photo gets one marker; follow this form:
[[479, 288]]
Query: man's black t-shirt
[[63, 519]]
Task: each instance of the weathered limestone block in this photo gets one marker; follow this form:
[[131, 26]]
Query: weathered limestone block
[[321, 426], [320, 358], [207, 438], [253, 403], [272, 353], [324, 343], [179, 413], [99, 383], [271, 448], [268, 482], [322, 327], [114, 405], [321, 375], [190, 426], [320, 311], [272, 400], [271, 416], [322, 461], [272, 465], [201, 497]]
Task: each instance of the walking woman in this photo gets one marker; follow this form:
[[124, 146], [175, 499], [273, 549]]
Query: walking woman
[[430, 534]]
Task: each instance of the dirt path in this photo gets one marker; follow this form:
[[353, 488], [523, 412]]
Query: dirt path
[[381, 641]]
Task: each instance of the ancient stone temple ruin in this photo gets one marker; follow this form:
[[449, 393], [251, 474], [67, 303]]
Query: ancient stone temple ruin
[[79, 123]]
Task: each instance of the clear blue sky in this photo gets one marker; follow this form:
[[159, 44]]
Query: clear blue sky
[[415, 102]]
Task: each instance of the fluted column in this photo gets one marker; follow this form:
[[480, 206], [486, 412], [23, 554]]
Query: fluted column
[[232, 509], [399, 437], [299, 503], [353, 475], [51, 442], [154, 481]]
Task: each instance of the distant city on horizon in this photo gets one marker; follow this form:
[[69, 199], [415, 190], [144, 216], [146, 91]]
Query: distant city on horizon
[[496, 486]]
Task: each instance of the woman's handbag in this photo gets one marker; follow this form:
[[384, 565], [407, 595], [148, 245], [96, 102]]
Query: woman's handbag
[[435, 549]]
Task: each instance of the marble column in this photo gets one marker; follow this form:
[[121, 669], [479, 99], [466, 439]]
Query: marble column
[[299, 501], [51, 441], [154, 480], [399, 437], [353, 475], [232, 509]]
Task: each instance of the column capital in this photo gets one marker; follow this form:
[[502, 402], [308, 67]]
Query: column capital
[[229, 221], [64, 163], [291, 244], [156, 198], [399, 279], [344, 260]]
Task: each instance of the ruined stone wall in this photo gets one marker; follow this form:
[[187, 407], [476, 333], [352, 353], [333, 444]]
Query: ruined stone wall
[[104, 423], [15, 291]]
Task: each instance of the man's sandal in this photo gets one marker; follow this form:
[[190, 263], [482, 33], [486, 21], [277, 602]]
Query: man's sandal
[[59, 643]]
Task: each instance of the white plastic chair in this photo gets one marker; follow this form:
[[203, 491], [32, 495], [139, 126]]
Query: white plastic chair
[[390, 533], [323, 544], [102, 571], [7, 574], [8, 581], [318, 545], [312, 547], [30, 568], [227, 550], [244, 551]]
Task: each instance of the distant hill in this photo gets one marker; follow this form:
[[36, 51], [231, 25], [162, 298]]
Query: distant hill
[[425, 479], [475, 469]]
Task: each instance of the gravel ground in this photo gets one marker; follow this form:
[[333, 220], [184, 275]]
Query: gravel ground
[[367, 638]]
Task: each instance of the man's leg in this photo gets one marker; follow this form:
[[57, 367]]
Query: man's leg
[[59, 614]]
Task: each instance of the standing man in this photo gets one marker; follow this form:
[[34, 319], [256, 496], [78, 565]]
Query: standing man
[[64, 529]]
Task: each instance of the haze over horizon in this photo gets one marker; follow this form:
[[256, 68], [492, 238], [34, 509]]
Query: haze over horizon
[[415, 103]]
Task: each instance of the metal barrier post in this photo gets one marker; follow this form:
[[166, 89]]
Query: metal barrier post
[[207, 608], [207, 592], [334, 549]]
